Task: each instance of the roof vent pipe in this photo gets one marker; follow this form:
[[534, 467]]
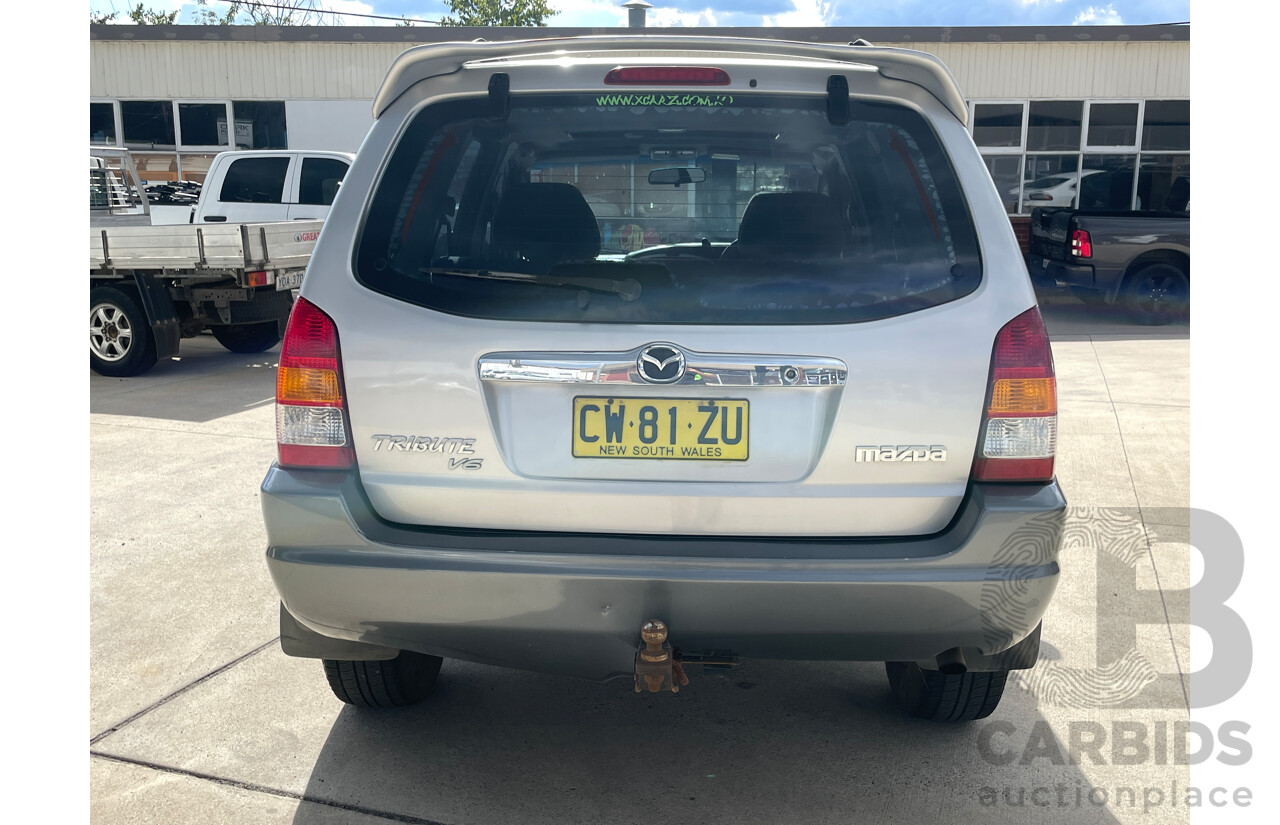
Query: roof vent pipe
[[636, 10]]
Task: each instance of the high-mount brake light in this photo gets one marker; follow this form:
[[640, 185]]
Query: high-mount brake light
[[311, 416], [667, 76], [1020, 433], [1081, 244]]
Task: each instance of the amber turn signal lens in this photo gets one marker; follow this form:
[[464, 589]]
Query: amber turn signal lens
[[304, 385], [1022, 396]]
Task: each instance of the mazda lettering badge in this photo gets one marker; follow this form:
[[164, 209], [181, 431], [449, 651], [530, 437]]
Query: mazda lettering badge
[[661, 364]]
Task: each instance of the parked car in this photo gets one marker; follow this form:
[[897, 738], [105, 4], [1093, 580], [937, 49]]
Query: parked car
[[1140, 261], [825, 431], [155, 279], [1052, 190]]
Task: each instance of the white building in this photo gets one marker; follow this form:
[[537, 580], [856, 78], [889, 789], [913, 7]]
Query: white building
[[1049, 106]]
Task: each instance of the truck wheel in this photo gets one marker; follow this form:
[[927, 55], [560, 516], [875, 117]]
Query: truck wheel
[[405, 680], [1156, 294], [247, 338], [120, 341], [942, 697]]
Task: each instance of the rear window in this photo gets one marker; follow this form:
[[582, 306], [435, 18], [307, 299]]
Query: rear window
[[255, 180], [319, 182], [674, 209]]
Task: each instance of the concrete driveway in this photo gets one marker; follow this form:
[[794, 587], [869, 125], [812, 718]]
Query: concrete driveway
[[196, 716]]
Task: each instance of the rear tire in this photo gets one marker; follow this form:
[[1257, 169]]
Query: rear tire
[[940, 697], [248, 338], [405, 680], [1157, 294], [120, 340]]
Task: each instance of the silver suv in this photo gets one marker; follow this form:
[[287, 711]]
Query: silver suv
[[618, 356]]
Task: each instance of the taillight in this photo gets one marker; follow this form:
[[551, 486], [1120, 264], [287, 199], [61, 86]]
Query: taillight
[[667, 76], [1020, 431], [1081, 245], [311, 415]]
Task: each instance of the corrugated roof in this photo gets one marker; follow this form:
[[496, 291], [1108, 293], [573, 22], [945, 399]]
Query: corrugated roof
[[831, 34]]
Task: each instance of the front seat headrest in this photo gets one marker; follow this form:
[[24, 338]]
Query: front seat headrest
[[800, 221], [543, 224]]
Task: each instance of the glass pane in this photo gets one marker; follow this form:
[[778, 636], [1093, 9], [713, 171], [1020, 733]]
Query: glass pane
[[1051, 180], [148, 124], [1164, 183], [196, 167], [842, 222], [1106, 182], [997, 124], [203, 124], [1054, 125], [255, 180], [260, 124], [102, 124], [320, 179], [156, 168], [1166, 124], [1004, 172], [1113, 124]]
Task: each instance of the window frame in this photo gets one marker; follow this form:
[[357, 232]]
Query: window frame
[[203, 147], [1085, 148]]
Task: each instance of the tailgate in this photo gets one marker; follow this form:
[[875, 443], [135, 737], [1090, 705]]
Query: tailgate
[[873, 433]]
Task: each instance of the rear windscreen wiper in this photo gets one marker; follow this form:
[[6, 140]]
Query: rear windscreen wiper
[[628, 290]]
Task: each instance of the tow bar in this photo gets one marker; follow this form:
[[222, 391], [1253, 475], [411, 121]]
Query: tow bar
[[657, 665]]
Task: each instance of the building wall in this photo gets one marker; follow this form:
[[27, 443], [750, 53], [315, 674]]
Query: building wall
[[346, 71]]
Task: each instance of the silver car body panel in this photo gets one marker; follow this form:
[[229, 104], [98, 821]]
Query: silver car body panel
[[571, 603], [919, 378]]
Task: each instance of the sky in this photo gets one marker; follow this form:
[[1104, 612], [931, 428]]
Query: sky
[[765, 12]]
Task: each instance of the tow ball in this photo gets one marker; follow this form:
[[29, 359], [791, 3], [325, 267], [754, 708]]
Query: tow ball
[[657, 665]]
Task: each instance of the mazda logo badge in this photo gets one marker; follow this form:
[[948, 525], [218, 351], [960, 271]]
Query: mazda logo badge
[[661, 364]]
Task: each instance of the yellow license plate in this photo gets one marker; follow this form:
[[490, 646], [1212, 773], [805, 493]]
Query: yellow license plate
[[681, 429]]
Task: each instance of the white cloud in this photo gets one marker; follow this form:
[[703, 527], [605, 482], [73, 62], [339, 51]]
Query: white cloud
[[1098, 16], [660, 18], [803, 13]]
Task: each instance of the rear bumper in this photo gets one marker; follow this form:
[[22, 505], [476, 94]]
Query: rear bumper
[[1058, 273], [1095, 276], [573, 603]]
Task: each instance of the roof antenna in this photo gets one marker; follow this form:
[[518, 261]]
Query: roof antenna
[[861, 42]]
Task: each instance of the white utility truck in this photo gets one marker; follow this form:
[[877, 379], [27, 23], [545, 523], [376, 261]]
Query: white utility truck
[[230, 268]]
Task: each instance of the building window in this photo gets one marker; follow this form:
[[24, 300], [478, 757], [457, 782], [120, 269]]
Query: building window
[[203, 124], [997, 124], [1054, 125], [1087, 154], [1113, 124], [148, 124], [102, 124], [260, 124], [1166, 124], [1004, 171]]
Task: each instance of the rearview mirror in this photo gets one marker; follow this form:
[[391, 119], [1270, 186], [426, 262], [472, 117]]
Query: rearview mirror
[[677, 176]]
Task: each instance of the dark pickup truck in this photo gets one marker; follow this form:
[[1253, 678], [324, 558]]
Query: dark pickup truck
[[1140, 261]]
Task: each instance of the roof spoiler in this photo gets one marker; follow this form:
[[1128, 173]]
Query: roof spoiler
[[436, 59]]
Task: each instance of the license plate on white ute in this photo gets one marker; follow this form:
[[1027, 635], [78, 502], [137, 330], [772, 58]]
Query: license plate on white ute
[[289, 280]]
